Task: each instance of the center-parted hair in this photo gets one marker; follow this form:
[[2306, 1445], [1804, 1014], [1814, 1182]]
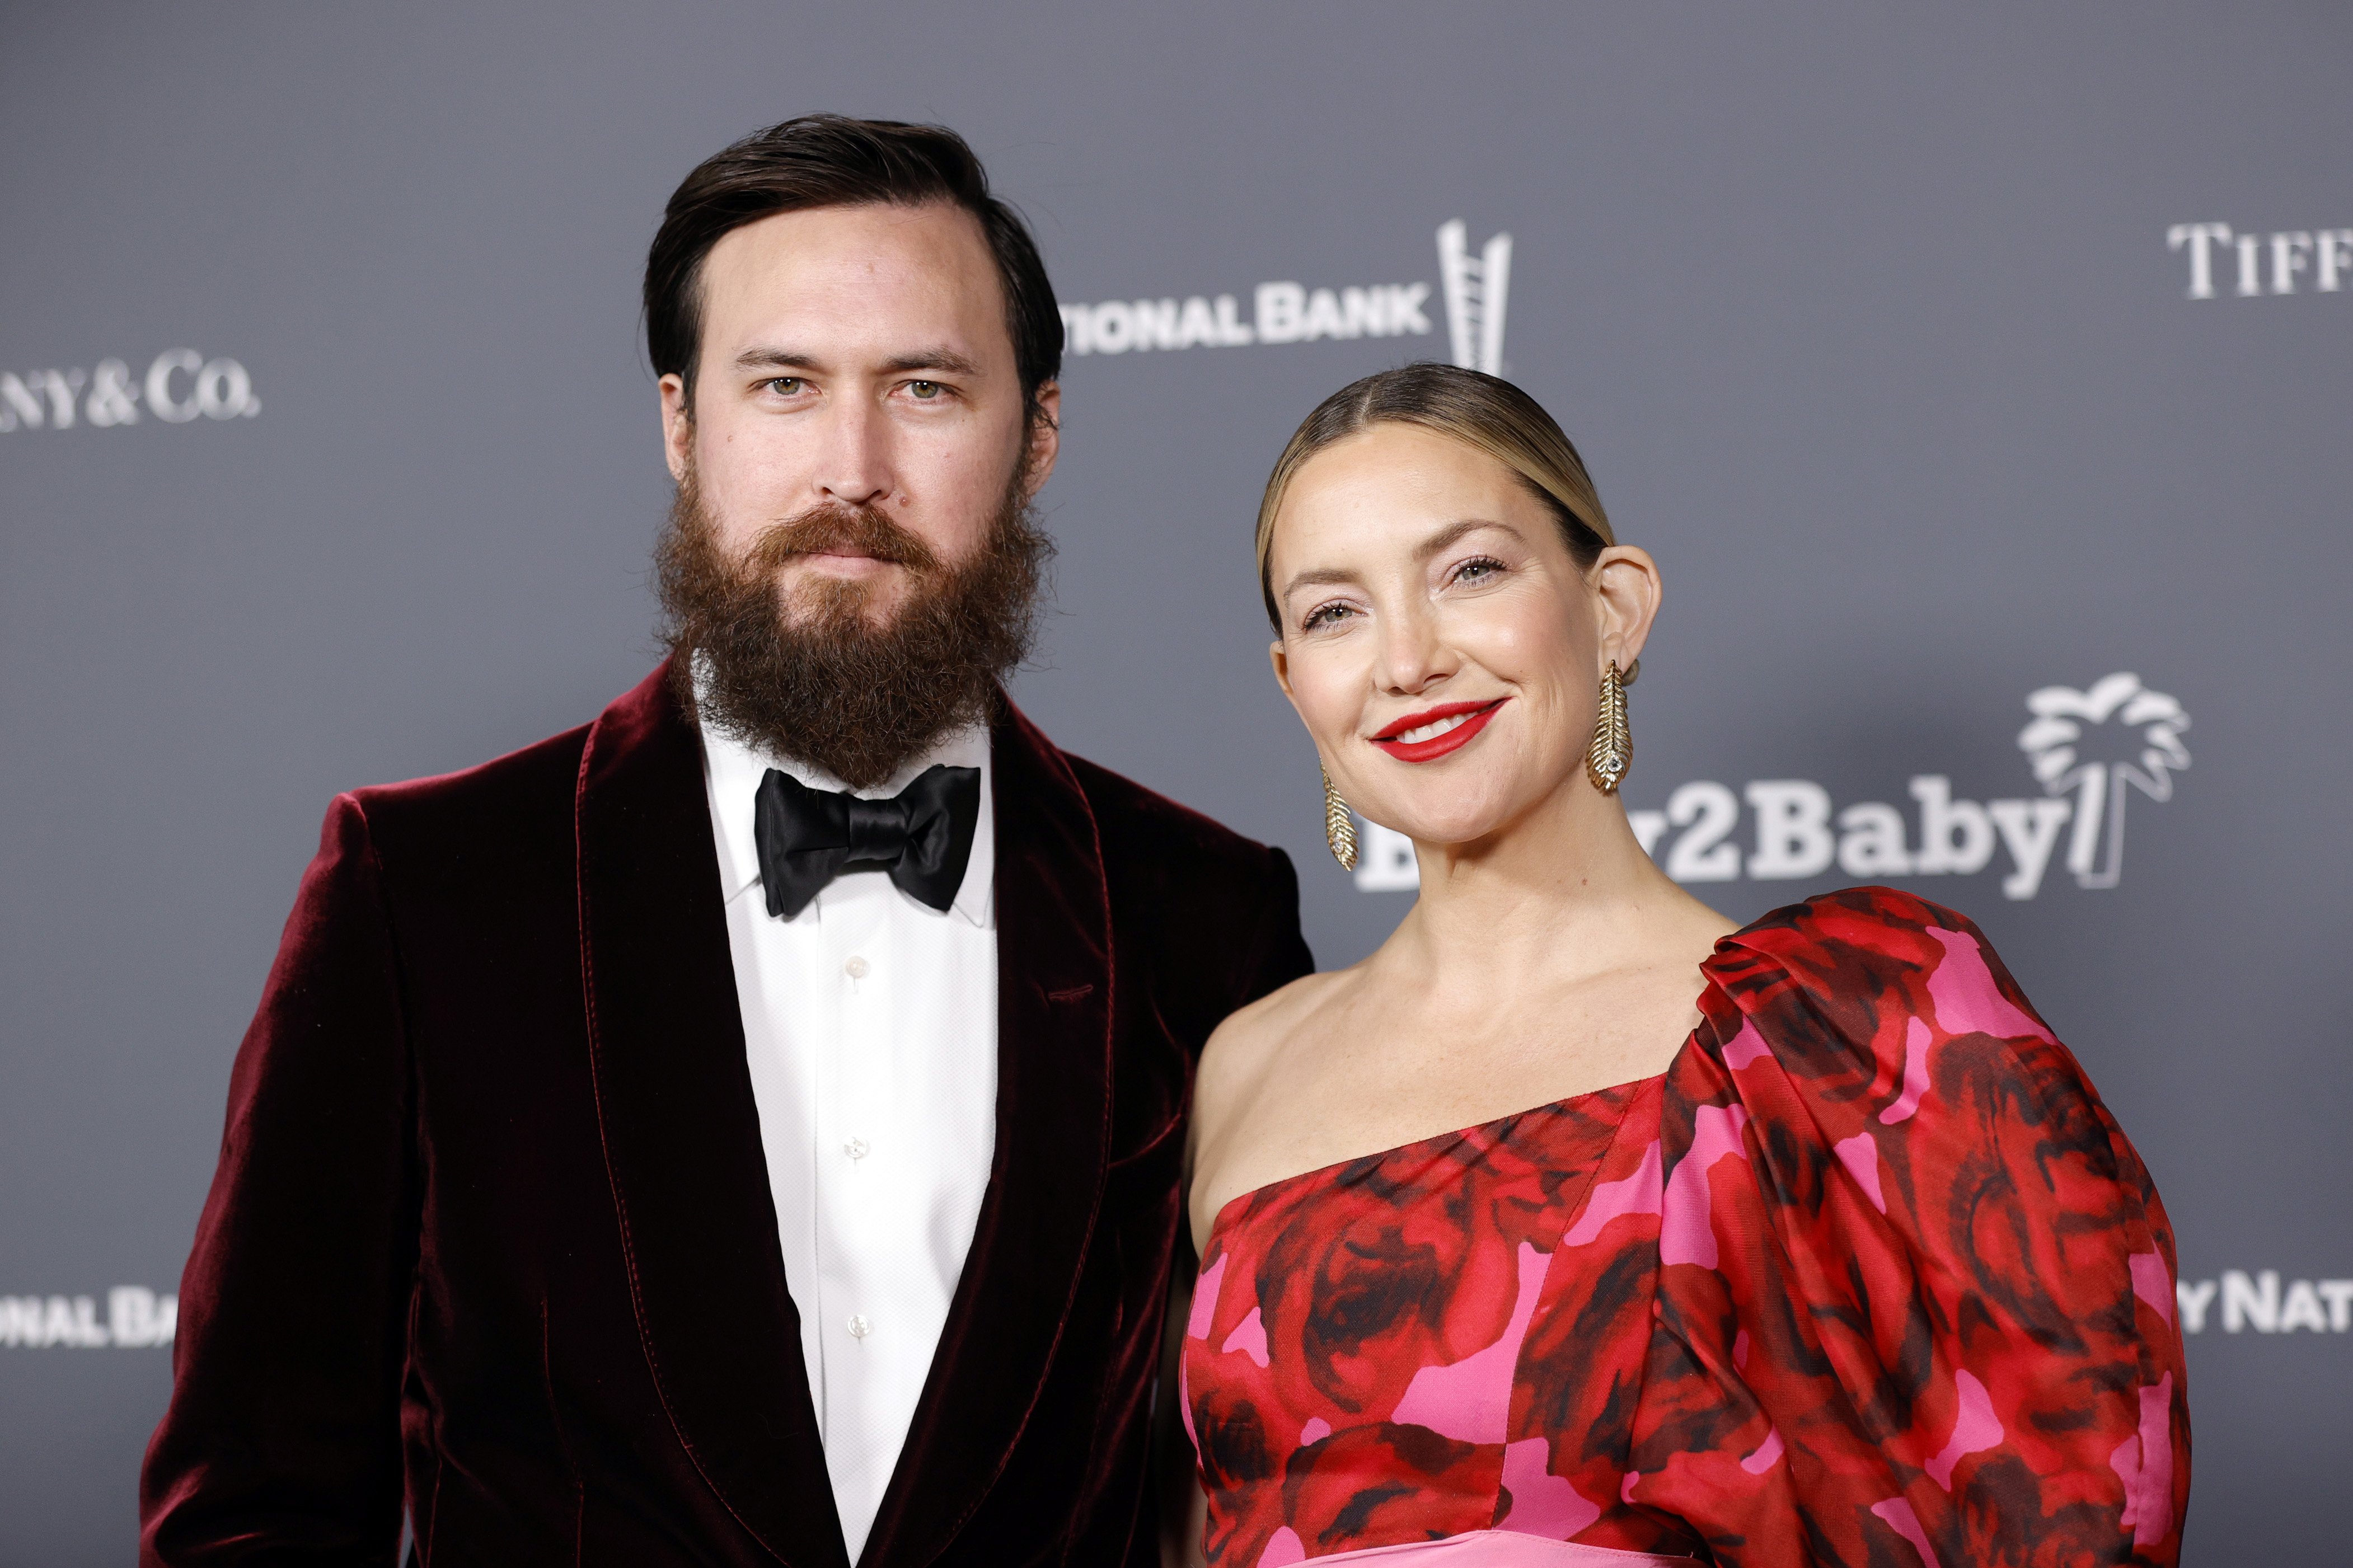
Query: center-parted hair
[[1486, 411], [826, 161]]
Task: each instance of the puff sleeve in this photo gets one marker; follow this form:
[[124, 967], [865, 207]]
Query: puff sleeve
[[1915, 1291]]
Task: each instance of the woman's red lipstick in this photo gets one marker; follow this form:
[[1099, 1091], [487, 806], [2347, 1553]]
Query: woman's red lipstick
[[1437, 746]]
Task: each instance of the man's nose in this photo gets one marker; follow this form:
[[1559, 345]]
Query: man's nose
[[854, 464]]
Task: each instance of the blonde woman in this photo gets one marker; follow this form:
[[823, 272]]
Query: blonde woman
[[1575, 1222]]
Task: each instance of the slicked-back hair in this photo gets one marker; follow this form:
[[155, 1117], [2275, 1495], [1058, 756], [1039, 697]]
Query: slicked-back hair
[[1477, 409], [830, 159]]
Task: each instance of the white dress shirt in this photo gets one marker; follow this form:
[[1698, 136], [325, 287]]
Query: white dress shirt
[[870, 1022]]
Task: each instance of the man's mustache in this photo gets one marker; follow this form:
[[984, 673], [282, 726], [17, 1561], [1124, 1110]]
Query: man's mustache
[[838, 529]]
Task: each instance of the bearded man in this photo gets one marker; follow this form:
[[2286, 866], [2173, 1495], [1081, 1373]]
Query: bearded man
[[747, 1129]]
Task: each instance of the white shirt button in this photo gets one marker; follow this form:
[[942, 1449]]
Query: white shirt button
[[856, 969], [856, 1149], [858, 1327]]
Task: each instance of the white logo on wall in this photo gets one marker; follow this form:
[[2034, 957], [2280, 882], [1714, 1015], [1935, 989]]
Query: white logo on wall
[[2282, 257], [135, 1316], [2084, 748], [2256, 1301], [179, 387], [1477, 290], [2096, 742], [1286, 311]]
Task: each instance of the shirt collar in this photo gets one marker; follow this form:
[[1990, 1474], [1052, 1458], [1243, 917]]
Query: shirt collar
[[733, 770]]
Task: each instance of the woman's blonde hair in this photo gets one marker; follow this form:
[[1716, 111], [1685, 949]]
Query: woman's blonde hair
[[1486, 411]]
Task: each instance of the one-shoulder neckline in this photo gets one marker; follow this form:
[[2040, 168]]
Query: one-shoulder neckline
[[1217, 1220], [1708, 984]]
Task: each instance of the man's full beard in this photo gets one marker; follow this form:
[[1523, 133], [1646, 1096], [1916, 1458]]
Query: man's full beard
[[823, 683]]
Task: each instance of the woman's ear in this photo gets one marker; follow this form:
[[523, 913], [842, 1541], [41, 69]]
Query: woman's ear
[[1282, 668], [1626, 593]]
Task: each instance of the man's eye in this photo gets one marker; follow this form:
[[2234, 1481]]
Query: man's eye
[[786, 386], [923, 390]]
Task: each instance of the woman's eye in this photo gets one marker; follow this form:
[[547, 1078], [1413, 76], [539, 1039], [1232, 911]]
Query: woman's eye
[[1325, 615], [1479, 570], [923, 390]]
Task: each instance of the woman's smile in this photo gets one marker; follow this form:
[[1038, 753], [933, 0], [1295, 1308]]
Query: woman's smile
[[1431, 733]]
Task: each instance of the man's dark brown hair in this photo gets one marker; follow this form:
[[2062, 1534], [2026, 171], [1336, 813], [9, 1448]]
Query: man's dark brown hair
[[826, 161]]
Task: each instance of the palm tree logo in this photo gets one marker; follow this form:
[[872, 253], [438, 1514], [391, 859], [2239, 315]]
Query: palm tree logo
[[2095, 743]]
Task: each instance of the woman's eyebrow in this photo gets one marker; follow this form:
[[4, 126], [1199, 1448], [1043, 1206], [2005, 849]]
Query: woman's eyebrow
[[1319, 578], [1453, 533]]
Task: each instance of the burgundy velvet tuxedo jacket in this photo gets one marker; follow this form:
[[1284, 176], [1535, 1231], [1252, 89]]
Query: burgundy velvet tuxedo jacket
[[492, 1230]]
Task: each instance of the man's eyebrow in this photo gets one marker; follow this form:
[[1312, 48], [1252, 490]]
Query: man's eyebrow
[[763, 358], [943, 358]]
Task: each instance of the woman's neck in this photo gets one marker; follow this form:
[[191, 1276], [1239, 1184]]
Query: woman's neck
[[1565, 890]]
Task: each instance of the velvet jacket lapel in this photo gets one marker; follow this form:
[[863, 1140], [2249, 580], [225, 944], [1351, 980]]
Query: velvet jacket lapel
[[682, 1140], [682, 1132], [1054, 1040]]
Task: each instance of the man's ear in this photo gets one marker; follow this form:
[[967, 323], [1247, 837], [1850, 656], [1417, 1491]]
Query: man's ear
[[1045, 439], [678, 426], [1626, 586]]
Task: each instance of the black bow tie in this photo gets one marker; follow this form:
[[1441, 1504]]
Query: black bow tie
[[922, 836]]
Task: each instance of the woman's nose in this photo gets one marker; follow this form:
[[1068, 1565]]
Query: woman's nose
[[1412, 655]]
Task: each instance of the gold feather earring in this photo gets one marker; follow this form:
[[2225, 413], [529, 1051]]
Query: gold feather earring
[[1613, 742], [1339, 825]]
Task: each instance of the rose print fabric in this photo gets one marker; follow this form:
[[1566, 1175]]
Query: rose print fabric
[[1868, 1278]]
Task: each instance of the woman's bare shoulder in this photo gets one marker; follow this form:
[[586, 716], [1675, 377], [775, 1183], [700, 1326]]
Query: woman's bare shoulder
[[1242, 1058], [1246, 1046]]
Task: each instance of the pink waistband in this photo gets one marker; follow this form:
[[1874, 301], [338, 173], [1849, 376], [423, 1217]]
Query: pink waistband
[[1497, 1548]]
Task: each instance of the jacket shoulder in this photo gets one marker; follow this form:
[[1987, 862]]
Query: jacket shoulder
[[1215, 914], [507, 798], [1141, 823]]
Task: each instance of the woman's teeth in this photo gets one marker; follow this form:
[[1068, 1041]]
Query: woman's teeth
[[1421, 732]]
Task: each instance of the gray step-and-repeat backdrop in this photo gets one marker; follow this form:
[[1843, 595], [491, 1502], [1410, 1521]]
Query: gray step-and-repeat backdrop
[[1979, 374]]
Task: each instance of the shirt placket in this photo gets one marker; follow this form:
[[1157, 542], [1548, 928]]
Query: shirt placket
[[856, 948]]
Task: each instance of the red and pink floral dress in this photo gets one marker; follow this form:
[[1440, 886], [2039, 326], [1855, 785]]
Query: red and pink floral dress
[[1869, 1277]]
